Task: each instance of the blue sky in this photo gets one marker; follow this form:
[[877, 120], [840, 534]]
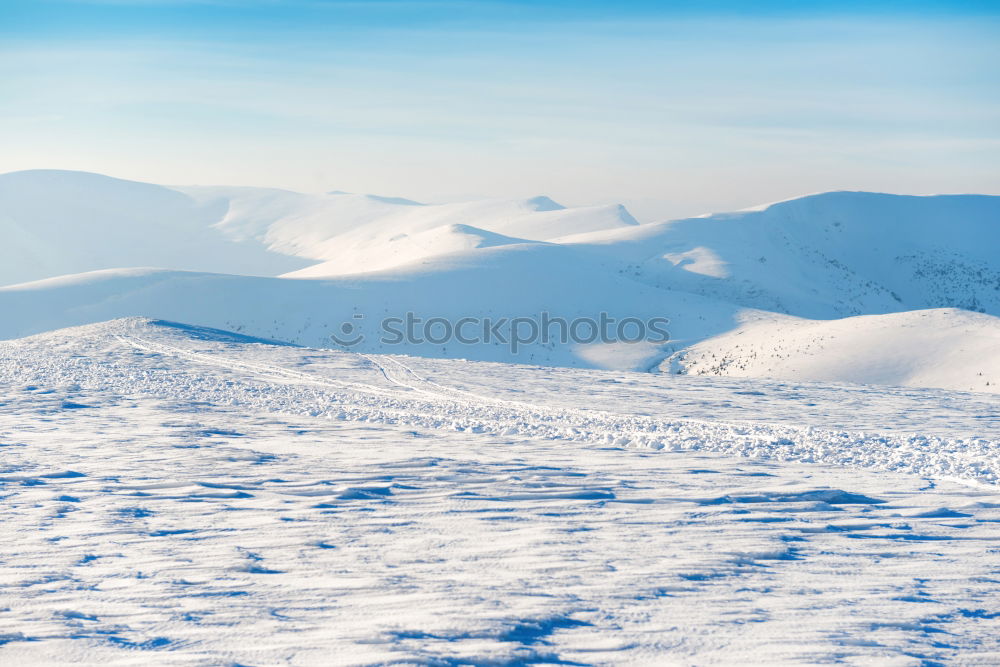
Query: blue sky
[[674, 108]]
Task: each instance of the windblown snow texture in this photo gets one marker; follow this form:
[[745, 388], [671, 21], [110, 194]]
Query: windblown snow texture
[[179, 495]]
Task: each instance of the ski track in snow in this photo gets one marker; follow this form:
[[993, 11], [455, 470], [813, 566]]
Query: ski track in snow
[[171, 498]]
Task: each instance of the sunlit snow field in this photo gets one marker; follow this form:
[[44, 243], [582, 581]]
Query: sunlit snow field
[[499, 333], [177, 495]]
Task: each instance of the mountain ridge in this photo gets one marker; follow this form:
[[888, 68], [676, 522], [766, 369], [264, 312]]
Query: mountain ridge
[[854, 268]]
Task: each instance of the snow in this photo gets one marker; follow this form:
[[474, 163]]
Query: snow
[[353, 233], [54, 223], [943, 347], [405, 248], [185, 496], [62, 222], [194, 472], [840, 286], [505, 281], [825, 256]]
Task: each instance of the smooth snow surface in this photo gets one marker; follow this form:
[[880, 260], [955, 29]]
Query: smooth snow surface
[[182, 496], [54, 223], [925, 348], [936, 348], [62, 222]]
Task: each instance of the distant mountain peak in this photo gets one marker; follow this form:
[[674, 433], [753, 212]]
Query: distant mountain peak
[[625, 216], [543, 203], [400, 201]]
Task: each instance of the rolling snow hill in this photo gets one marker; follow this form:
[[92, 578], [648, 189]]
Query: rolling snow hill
[[54, 223], [350, 233], [830, 255], [756, 293], [60, 222], [941, 347], [500, 282]]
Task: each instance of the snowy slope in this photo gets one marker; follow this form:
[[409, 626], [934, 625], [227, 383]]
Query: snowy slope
[[945, 347], [388, 250], [60, 222], [502, 282], [936, 348], [56, 222], [726, 282], [361, 233], [829, 255], [180, 496]]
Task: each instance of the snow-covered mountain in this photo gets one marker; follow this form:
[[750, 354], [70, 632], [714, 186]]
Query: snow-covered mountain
[[55, 223], [499, 282], [61, 222], [755, 293], [828, 255], [203, 495], [350, 233]]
